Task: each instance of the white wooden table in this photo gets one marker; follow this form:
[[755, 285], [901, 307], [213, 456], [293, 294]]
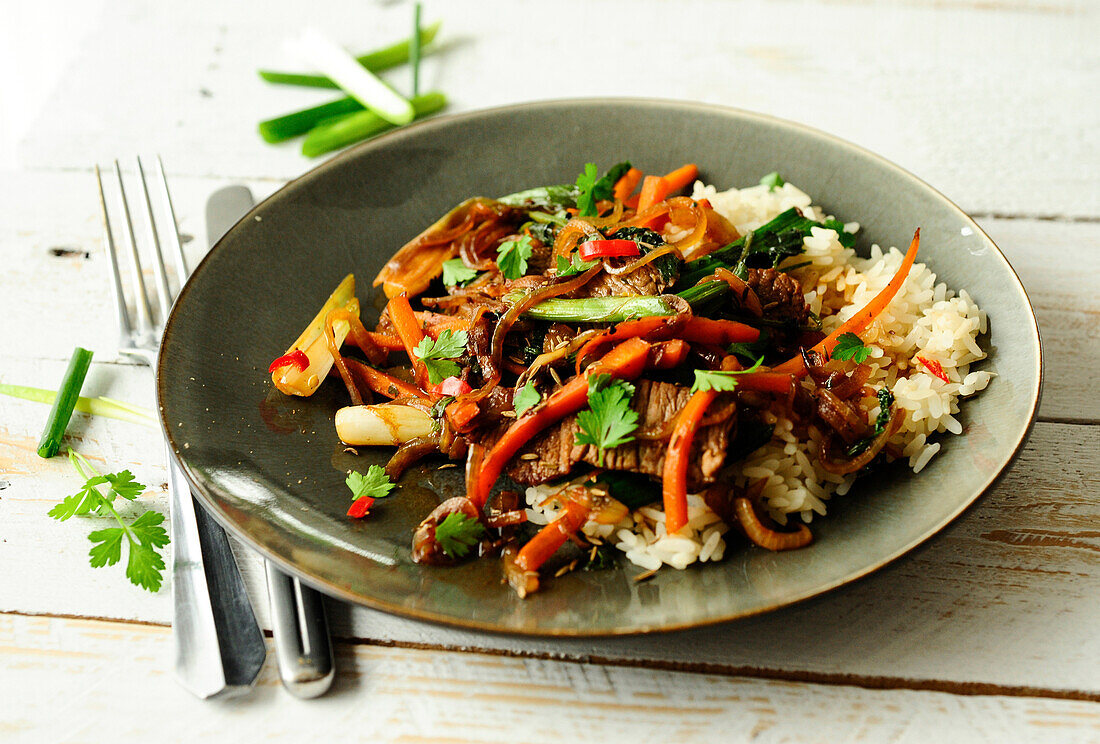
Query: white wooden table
[[989, 632]]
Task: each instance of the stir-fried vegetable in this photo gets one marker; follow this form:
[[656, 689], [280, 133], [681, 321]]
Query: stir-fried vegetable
[[291, 378]]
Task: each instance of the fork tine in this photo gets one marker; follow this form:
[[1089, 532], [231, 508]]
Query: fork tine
[[174, 233], [141, 301], [124, 326], [164, 295]]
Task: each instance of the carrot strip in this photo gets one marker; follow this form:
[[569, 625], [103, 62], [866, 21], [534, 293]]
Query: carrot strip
[[408, 329], [681, 177], [625, 186], [385, 384], [655, 328], [674, 476], [766, 382], [626, 361], [862, 319], [654, 189], [382, 341], [721, 332], [551, 537], [668, 354]]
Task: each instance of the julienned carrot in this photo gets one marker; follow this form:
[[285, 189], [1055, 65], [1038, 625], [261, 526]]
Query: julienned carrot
[[676, 460], [654, 189], [626, 361], [385, 384], [625, 186], [681, 177], [766, 382], [653, 328], [862, 319], [668, 354], [721, 332], [551, 537], [408, 330], [382, 341]]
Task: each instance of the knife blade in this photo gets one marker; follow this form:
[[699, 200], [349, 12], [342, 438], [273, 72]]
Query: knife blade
[[299, 626]]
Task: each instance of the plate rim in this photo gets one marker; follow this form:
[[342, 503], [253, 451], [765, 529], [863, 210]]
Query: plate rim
[[210, 503]]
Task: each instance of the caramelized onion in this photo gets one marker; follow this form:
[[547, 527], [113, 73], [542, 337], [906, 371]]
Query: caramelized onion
[[653, 255], [766, 537], [559, 352], [409, 454], [859, 461], [745, 294]]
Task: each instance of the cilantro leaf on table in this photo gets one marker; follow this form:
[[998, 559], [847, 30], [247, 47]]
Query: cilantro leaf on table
[[437, 354], [591, 190], [573, 266], [457, 533], [609, 421], [722, 381], [456, 273], [512, 257], [850, 347], [525, 398], [145, 536], [375, 483]]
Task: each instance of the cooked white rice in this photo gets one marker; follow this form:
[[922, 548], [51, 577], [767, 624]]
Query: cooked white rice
[[925, 319]]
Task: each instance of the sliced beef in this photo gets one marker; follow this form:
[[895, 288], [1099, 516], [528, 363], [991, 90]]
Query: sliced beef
[[646, 280], [657, 404], [780, 295]]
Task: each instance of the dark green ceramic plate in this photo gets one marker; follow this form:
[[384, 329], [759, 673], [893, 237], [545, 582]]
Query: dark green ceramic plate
[[271, 468]]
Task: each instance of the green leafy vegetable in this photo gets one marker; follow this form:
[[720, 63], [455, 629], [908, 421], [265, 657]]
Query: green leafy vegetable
[[552, 198], [437, 354], [145, 536], [650, 240], [846, 239], [768, 250], [526, 397], [609, 420], [850, 346], [64, 403], [591, 190], [512, 257], [632, 489], [706, 379], [751, 350], [457, 533], [885, 404], [576, 265], [375, 484], [773, 181], [456, 273]]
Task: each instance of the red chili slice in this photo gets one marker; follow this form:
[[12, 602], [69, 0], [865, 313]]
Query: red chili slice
[[453, 387], [935, 368], [609, 249], [296, 358], [360, 507]]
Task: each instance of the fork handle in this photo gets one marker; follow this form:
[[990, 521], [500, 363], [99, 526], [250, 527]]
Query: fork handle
[[218, 643], [299, 629]]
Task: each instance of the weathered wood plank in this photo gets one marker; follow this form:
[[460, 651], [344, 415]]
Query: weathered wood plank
[[950, 91], [32, 229], [49, 667], [1022, 565]]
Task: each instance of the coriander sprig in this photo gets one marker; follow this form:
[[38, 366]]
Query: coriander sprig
[[850, 346], [512, 256], [609, 420], [145, 535], [723, 381], [437, 354], [457, 533]]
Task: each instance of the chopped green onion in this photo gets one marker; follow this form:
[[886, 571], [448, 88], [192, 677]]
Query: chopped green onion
[[64, 403], [414, 50], [351, 128], [101, 406], [376, 61], [299, 122], [353, 78], [600, 309]]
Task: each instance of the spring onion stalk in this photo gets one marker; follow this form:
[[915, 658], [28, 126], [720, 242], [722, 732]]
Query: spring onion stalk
[[414, 50], [376, 61], [351, 128], [304, 382], [353, 78], [619, 309], [385, 424], [100, 406], [299, 122], [64, 402]]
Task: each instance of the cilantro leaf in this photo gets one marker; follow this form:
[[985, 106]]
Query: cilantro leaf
[[609, 420], [145, 535], [436, 354], [574, 266], [375, 484], [512, 257], [773, 181], [526, 397], [457, 533], [706, 379], [591, 190], [124, 485], [456, 273], [846, 239], [850, 346]]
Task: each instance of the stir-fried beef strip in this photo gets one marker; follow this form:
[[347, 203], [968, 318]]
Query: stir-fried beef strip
[[780, 295]]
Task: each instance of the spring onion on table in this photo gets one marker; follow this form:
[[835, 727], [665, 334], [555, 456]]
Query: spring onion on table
[[99, 406], [352, 77], [64, 403], [376, 61], [350, 128]]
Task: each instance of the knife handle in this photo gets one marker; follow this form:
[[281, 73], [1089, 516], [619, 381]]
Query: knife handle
[[299, 629]]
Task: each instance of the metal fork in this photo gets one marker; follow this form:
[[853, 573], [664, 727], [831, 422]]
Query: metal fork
[[219, 648]]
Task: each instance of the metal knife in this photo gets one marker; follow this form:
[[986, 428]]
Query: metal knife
[[299, 626]]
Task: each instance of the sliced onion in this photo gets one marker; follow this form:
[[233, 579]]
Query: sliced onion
[[653, 255], [741, 290], [859, 461], [410, 453], [765, 537]]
